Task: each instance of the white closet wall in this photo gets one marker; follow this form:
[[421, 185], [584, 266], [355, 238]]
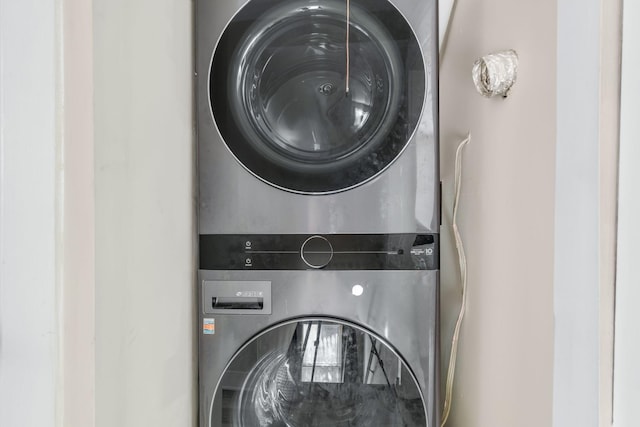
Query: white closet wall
[[144, 166]]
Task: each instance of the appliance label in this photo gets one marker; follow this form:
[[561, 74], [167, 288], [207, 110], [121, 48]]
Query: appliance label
[[209, 326]]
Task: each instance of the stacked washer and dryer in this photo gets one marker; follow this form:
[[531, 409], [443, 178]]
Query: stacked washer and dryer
[[318, 213]]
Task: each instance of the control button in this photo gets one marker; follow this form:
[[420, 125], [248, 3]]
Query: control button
[[316, 252], [357, 290]]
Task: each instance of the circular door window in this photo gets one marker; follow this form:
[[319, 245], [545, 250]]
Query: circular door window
[[317, 372], [313, 97]]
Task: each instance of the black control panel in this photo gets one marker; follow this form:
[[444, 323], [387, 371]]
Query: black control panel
[[328, 252]]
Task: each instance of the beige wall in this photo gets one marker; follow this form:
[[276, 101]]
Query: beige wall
[[505, 368], [144, 160]]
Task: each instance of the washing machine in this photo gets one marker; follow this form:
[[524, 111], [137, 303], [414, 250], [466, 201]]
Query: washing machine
[[319, 348], [317, 116], [322, 330]]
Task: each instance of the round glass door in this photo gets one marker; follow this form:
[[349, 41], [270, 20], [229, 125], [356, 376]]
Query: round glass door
[[315, 97], [317, 372]]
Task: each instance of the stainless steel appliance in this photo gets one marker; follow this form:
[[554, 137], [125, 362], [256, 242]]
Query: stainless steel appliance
[[284, 148], [318, 212], [318, 348]]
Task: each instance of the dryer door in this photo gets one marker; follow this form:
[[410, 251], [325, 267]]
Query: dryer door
[[317, 372], [314, 97]]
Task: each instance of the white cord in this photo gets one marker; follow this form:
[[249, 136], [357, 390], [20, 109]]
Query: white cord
[[348, 23], [462, 259]]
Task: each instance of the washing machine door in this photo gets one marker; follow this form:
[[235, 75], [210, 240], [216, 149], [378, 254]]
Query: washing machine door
[[317, 372], [316, 97]]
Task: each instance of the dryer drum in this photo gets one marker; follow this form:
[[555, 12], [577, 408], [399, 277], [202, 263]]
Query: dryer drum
[[279, 99], [322, 373]]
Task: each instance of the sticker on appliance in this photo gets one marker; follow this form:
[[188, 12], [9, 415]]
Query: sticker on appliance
[[209, 326]]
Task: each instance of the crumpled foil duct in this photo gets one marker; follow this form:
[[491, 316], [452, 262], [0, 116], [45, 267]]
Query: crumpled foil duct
[[495, 74]]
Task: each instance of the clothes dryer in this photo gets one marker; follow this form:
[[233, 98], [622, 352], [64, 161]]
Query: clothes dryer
[[317, 116]]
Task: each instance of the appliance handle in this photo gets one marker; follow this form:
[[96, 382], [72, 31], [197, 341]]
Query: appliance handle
[[237, 303]]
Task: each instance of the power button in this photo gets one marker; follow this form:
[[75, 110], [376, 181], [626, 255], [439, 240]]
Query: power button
[[316, 252]]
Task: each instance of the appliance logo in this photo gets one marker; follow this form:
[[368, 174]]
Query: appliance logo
[[249, 294], [421, 251]]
